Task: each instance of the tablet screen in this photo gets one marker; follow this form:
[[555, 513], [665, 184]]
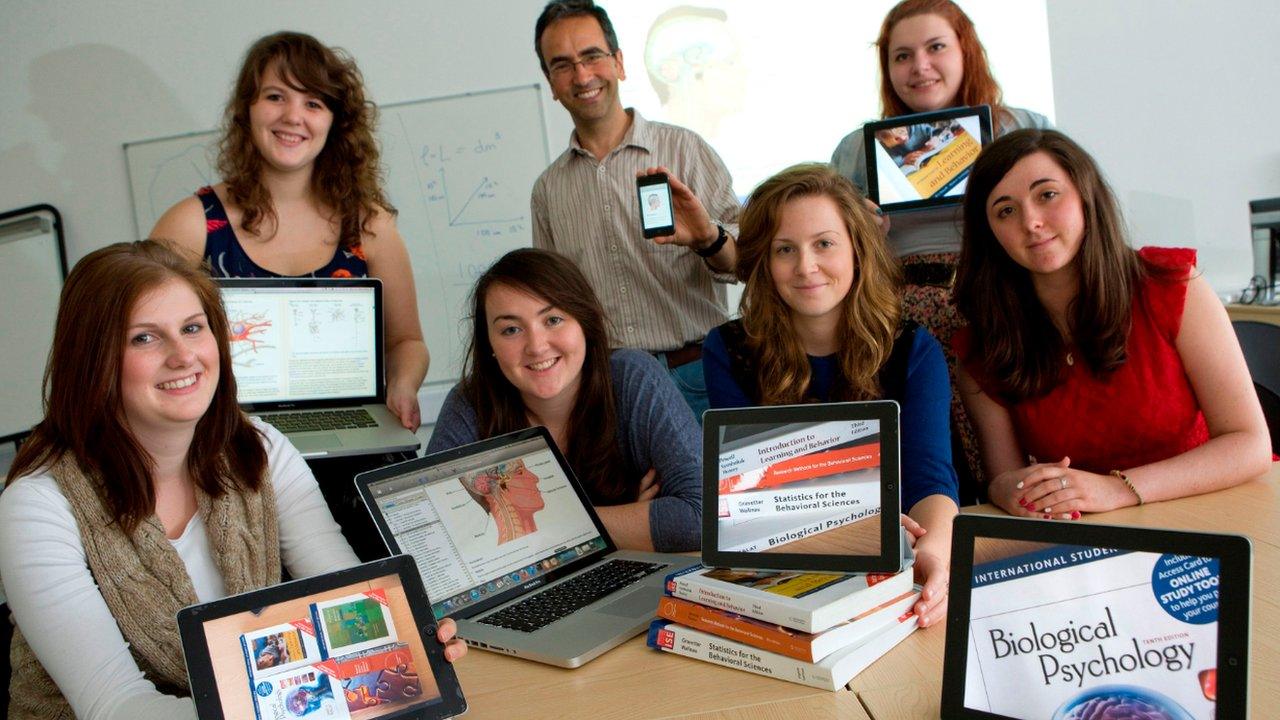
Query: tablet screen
[[348, 652], [924, 160], [1074, 632], [800, 488]]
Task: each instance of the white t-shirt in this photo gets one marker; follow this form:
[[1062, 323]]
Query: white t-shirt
[[67, 623]]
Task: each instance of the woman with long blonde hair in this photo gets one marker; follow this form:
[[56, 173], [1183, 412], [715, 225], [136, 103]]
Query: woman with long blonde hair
[[822, 322]]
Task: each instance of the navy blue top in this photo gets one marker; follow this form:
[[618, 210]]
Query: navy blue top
[[656, 429], [925, 404], [228, 259]]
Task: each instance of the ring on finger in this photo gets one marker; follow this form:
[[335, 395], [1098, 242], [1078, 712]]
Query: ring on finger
[[1063, 480]]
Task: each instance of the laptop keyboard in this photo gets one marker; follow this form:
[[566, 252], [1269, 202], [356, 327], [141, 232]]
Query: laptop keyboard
[[548, 606], [321, 420]]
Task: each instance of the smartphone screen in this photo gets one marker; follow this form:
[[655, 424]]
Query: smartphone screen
[[656, 217]]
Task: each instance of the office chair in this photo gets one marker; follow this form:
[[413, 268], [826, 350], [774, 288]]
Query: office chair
[[1261, 345]]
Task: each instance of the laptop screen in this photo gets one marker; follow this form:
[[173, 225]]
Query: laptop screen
[[1076, 632], [810, 488], [298, 342], [486, 523]]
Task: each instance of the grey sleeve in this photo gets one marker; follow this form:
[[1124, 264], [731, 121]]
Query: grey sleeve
[[661, 433], [850, 160], [456, 425], [710, 180]]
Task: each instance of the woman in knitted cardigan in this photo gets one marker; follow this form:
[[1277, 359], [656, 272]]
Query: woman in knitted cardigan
[[143, 490]]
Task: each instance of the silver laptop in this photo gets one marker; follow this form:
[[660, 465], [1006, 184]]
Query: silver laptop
[[510, 547], [307, 355]]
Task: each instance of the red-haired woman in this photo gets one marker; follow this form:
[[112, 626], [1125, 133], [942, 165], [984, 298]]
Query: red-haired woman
[[144, 489], [302, 193], [931, 59]]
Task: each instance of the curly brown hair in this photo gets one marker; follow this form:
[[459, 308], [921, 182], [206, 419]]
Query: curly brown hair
[[872, 308], [348, 175]]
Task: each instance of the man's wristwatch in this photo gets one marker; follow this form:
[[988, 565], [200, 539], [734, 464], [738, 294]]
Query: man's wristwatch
[[713, 248]]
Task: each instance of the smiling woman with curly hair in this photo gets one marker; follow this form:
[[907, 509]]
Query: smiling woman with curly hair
[[302, 193]]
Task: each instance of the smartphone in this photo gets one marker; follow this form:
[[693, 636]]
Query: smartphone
[[656, 216]]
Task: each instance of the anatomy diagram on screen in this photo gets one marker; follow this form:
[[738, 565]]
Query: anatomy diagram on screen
[[509, 493]]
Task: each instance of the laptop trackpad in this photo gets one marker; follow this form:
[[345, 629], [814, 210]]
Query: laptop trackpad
[[638, 603], [310, 442]]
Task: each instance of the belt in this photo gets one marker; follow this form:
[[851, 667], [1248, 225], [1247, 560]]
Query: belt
[[932, 274], [681, 356]]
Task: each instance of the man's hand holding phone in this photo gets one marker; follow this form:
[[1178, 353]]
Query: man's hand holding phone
[[693, 226]]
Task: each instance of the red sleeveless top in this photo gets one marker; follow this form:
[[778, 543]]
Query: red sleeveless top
[[1143, 412]]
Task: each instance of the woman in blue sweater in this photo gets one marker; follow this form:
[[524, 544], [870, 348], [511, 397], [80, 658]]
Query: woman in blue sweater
[[822, 322], [540, 355]]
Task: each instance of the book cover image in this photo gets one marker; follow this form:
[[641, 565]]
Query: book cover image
[[303, 693], [1066, 632], [926, 160], [281, 647], [354, 623], [377, 681], [800, 488]]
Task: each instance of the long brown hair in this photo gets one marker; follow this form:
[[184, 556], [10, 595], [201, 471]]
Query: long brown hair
[[83, 410], [977, 87], [593, 451], [872, 308], [348, 175], [1014, 339]]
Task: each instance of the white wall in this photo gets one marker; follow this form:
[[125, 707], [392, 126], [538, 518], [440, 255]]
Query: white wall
[[1174, 97], [1178, 100]]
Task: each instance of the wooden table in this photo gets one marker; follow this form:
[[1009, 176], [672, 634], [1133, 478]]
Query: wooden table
[[633, 681], [907, 683]]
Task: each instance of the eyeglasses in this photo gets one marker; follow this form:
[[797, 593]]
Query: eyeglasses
[[590, 60]]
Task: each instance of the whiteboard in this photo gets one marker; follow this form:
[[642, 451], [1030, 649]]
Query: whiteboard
[[32, 266], [460, 170]]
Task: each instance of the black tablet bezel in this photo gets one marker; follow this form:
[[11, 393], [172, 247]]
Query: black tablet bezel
[[1234, 552], [444, 457], [869, 152], [884, 411], [204, 686]]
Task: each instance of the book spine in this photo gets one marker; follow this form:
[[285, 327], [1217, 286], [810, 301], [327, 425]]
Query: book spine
[[733, 627], [250, 667], [758, 605], [670, 637]]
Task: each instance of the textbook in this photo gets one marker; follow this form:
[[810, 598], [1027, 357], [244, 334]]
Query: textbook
[[811, 602], [804, 646], [1066, 626], [831, 673]]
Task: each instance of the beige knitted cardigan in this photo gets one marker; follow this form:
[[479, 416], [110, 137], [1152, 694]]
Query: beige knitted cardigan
[[145, 583]]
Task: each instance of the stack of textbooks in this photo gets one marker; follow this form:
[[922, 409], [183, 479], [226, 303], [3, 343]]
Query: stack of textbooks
[[344, 656], [810, 628]]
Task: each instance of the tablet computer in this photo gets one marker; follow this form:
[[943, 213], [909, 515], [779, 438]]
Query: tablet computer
[[923, 161], [802, 487], [349, 645], [1074, 621]]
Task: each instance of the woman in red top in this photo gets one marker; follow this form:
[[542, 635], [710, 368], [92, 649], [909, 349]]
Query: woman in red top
[[1098, 377]]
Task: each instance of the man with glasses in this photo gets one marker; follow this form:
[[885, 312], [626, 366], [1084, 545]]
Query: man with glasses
[[663, 294]]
